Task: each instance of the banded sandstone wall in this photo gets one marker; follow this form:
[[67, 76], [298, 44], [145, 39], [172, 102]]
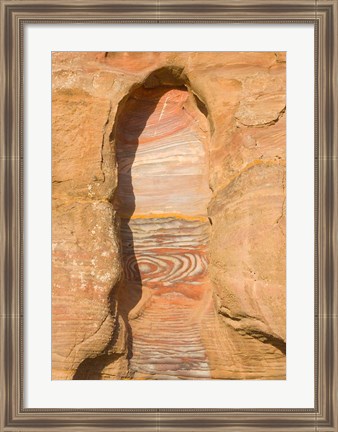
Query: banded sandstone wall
[[231, 323]]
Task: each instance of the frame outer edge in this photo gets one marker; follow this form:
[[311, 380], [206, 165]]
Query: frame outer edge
[[334, 318], [3, 239], [327, 418]]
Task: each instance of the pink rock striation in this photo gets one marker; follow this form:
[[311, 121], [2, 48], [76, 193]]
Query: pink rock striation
[[162, 200]]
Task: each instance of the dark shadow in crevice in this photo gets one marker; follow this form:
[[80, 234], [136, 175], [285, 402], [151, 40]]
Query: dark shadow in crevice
[[276, 342], [91, 368], [201, 106], [171, 76], [268, 339]]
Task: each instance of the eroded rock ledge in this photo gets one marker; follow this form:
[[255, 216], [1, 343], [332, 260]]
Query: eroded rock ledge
[[181, 156]]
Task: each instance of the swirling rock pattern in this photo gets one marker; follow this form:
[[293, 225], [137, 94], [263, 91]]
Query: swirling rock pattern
[[162, 198]]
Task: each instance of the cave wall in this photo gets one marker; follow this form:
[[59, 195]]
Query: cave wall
[[244, 95]]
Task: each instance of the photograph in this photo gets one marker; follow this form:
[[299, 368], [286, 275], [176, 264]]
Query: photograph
[[168, 215], [168, 221]]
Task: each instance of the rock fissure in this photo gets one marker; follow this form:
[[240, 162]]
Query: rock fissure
[[264, 124], [86, 339], [104, 139], [237, 316], [247, 326], [284, 201]]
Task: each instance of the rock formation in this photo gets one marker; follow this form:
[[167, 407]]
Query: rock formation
[[169, 216]]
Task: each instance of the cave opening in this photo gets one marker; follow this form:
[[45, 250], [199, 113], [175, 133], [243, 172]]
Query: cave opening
[[161, 140]]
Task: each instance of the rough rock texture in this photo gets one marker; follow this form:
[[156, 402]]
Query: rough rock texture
[[216, 120]]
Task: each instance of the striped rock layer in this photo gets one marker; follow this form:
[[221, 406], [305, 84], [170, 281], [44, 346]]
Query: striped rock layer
[[162, 200]]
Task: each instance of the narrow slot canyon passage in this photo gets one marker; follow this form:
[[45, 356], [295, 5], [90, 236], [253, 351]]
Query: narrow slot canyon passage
[[162, 198]]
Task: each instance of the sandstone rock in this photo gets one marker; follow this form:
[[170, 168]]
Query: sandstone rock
[[168, 215]]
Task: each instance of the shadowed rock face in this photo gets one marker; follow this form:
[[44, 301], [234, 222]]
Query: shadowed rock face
[[162, 199], [198, 288]]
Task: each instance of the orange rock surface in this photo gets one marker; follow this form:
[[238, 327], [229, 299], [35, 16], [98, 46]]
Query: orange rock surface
[[169, 215]]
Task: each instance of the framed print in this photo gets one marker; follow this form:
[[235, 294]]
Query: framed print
[[168, 215], [167, 210]]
